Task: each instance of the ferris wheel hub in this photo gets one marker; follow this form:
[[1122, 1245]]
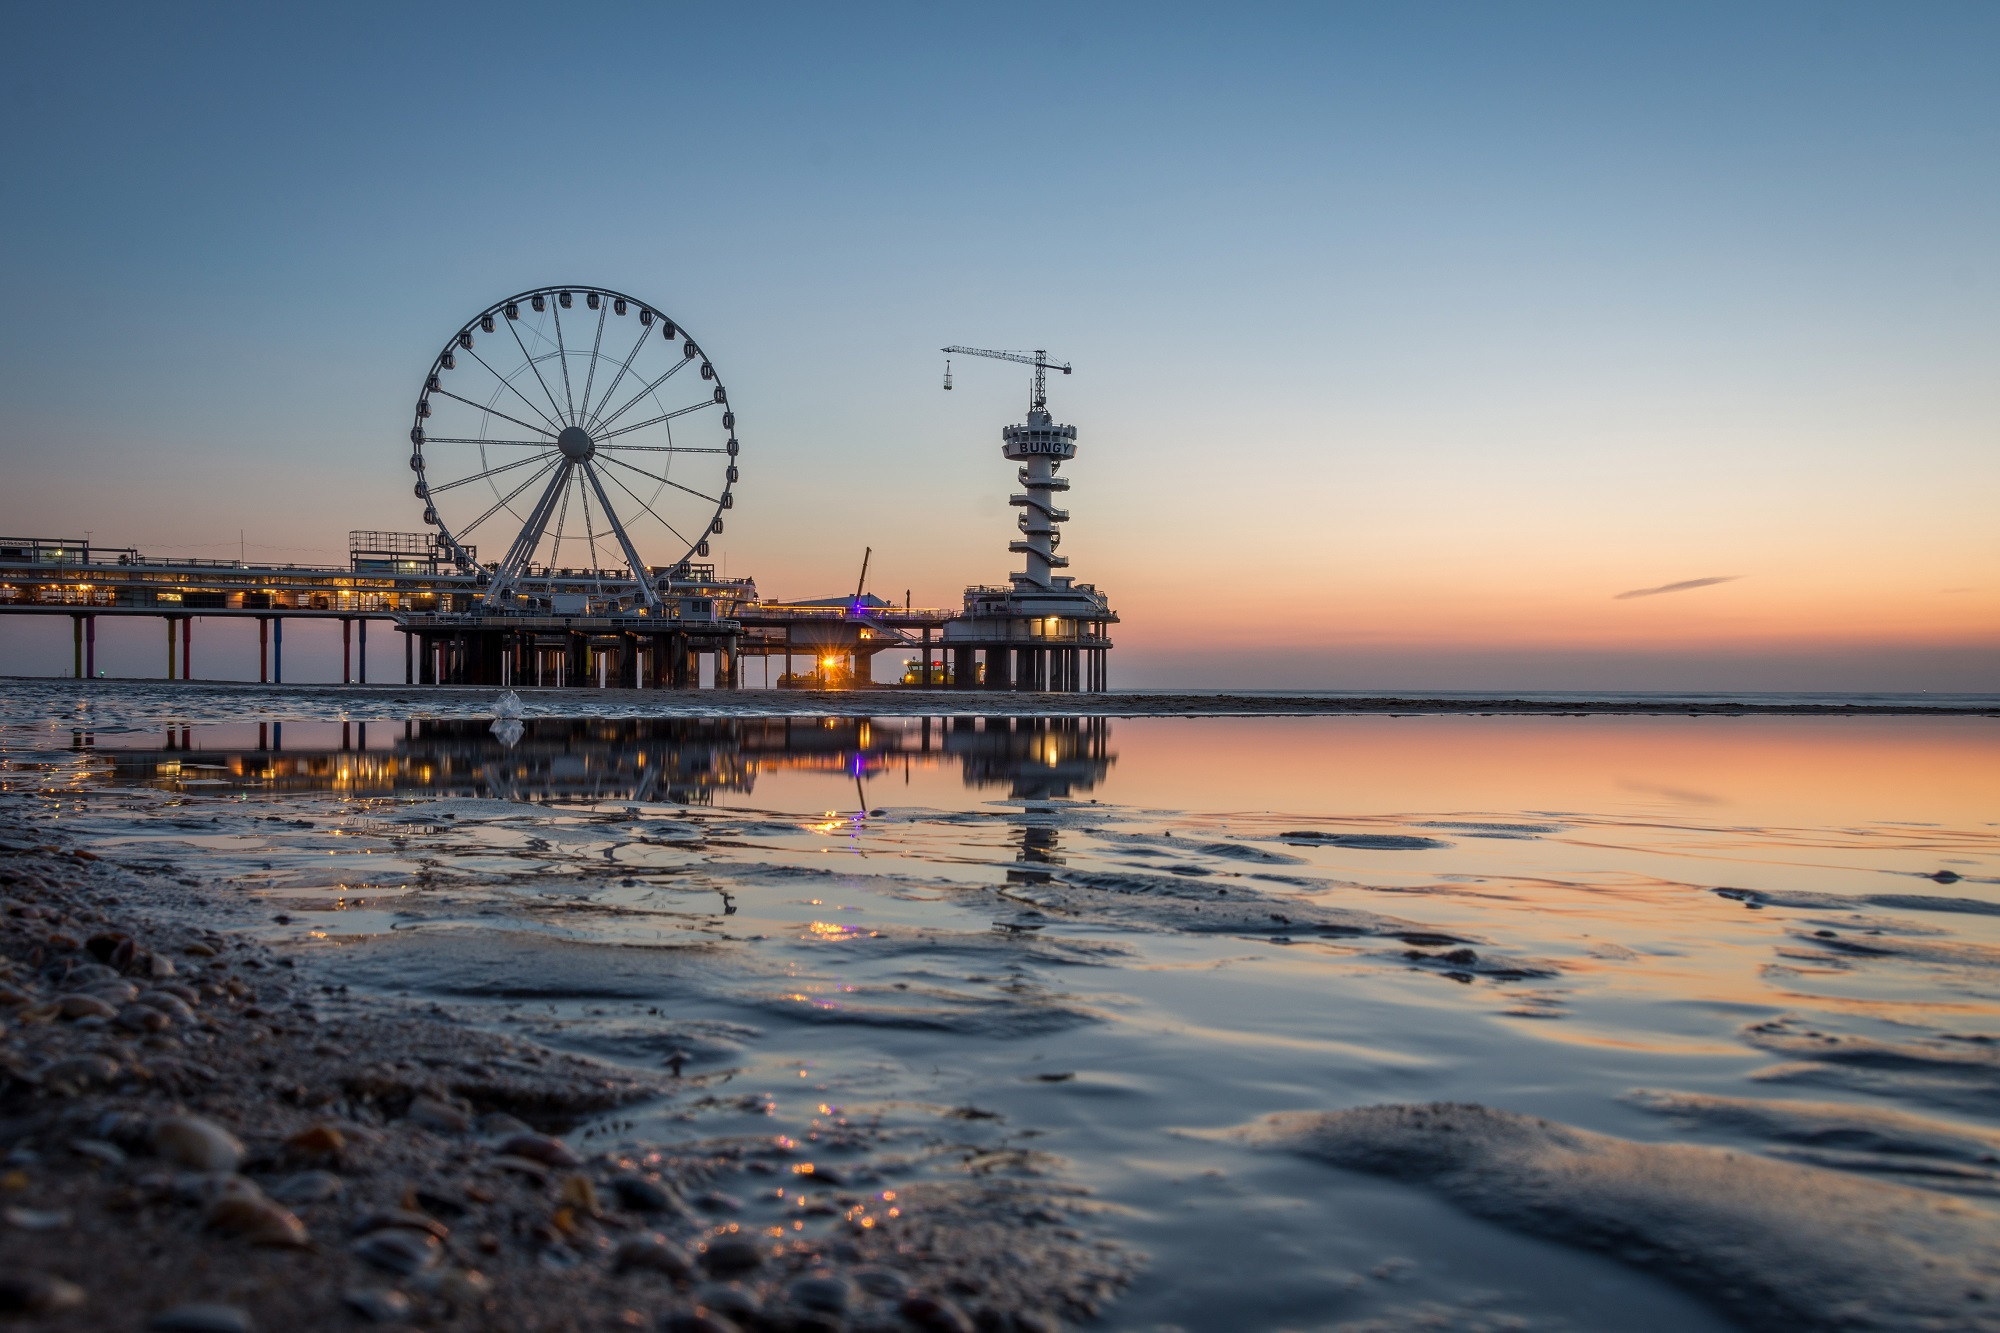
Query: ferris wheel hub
[[576, 444]]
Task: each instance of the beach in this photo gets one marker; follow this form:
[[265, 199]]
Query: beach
[[949, 1020]]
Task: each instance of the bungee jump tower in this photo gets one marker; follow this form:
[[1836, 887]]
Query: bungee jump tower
[[1043, 630]]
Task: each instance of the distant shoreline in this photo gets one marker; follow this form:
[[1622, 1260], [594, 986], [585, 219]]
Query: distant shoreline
[[889, 701]]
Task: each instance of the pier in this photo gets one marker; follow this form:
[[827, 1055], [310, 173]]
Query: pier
[[606, 618]]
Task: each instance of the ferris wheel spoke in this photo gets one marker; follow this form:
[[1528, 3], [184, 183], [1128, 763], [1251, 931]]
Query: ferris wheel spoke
[[589, 528], [654, 421], [603, 309], [530, 444], [502, 415], [480, 476], [508, 498], [619, 378], [562, 519], [667, 481], [535, 366], [510, 384], [657, 516], [562, 354], [663, 448], [646, 392]]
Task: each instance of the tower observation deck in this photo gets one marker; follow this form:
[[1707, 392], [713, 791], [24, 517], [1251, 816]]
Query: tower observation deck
[[1044, 631]]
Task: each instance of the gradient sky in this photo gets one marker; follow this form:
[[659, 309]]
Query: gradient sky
[[1407, 336]]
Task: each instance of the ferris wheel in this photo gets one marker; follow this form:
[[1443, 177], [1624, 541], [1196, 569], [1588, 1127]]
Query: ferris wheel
[[583, 429]]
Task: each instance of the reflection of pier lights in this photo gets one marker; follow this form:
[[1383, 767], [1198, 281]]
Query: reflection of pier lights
[[682, 760]]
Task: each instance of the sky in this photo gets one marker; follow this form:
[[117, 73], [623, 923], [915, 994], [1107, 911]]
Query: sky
[[1408, 338]]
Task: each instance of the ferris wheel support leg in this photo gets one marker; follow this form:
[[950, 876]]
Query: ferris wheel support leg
[[647, 592]]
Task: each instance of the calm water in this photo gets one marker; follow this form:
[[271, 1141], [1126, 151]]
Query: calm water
[[1111, 933]]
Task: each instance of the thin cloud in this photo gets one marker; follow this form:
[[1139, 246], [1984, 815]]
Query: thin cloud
[[1682, 586]]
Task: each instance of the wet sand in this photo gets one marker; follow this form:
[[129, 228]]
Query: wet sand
[[196, 1139]]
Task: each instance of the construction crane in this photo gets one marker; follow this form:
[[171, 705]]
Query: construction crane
[[1038, 359]]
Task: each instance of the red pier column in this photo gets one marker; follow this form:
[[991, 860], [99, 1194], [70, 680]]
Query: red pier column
[[263, 651], [187, 647]]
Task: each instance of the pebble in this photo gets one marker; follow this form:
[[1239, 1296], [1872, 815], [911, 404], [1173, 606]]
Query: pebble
[[91, 974], [318, 1141], [732, 1254], [642, 1195], [143, 1018], [257, 1220], [657, 1254], [201, 1144], [201, 1317], [405, 1218], [440, 1116], [80, 1072], [883, 1282], [98, 1151], [697, 1321], [498, 1124], [540, 1148], [87, 1006], [309, 1187], [729, 1300], [173, 1006], [378, 1305], [114, 992], [521, 1166], [456, 1286], [934, 1315], [38, 1219], [821, 1291], [399, 1251], [37, 1293]]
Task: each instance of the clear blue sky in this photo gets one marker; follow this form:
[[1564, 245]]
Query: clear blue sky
[[1422, 330]]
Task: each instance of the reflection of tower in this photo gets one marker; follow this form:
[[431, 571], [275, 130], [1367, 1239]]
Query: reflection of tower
[[1039, 759]]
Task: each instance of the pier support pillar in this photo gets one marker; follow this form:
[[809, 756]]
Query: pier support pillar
[[90, 647], [76, 626], [999, 668], [277, 650], [362, 660], [409, 658], [963, 673], [924, 677], [170, 648], [187, 647], [346, 651], [263, 650]]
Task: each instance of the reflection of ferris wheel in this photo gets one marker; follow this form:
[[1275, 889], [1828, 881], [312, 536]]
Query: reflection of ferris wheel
[[581, 426]]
